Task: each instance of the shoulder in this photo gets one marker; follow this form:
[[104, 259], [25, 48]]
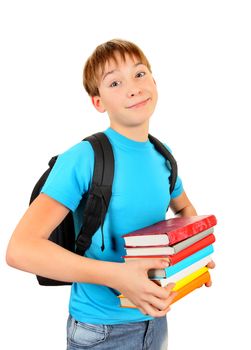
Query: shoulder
[[81, 149], [75, 163], [79, 154], [71, 175]]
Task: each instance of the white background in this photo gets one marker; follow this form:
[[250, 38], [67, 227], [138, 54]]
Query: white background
[[200, 56]]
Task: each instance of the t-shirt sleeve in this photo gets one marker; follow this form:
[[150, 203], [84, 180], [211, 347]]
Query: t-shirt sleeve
[[71, 175], [178, 188]]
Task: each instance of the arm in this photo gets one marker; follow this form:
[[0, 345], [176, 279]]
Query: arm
[[30, 250], [181, 206]]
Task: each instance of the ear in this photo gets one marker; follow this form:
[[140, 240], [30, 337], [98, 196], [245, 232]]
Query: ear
[[97, 103]]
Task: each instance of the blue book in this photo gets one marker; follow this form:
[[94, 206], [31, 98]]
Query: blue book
[[171, 270]]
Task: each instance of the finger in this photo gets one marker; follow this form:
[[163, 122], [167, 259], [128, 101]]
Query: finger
[[158, 304], [162, 292], [149, 264], [161, 313], [172, 295], [162, 304], [152, 311], [169, 287], [208, 284], [165, 311], [211, 264], [148, 309]]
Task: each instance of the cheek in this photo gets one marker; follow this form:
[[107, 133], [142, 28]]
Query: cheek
[[154, 86], [155, 92], [117, 99], [113, 103]]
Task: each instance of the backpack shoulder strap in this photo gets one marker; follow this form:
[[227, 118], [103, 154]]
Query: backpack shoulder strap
[[169, 158], [99, 194]]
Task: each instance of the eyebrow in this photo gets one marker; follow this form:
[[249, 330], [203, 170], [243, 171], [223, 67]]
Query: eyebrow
[[117, 70]]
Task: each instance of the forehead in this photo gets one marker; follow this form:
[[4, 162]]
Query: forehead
[[116, 61]]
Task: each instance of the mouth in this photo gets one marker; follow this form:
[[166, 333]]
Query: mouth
[[139, 104]]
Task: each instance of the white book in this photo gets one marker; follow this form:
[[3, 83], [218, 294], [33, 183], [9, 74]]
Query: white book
[[150, 251], [168, 250], [179, 275]]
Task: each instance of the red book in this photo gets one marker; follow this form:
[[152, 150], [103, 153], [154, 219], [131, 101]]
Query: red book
[[173, 259], [169, 232]]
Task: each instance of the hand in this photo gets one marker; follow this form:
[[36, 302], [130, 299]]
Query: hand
[[147, 296], [210, 265]]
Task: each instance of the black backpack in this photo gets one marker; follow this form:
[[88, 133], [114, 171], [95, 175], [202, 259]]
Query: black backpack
[[96, 199]]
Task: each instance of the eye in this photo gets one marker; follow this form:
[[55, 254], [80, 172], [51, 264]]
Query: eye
[[114, 84], [140, 74]]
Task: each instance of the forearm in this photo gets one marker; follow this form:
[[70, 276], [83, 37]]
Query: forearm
[[187, 211], [181, 206], [42, 257]]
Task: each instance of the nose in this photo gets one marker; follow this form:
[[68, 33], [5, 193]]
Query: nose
[[133, 91]]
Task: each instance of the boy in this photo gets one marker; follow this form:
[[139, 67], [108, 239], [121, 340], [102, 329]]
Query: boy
[[118, 78]]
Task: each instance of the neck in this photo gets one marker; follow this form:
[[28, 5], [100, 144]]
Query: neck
[[137, 133]]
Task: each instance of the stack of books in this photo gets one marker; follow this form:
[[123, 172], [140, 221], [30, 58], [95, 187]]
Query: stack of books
[[187, 244]]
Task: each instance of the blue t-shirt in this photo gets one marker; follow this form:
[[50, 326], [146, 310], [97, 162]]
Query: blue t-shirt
[[140, 196]]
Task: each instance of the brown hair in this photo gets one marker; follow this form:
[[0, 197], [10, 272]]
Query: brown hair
[[95, 64]]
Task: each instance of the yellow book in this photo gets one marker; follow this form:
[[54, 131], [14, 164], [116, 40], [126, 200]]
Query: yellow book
[[181, 283]]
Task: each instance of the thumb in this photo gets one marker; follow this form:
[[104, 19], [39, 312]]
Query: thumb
[[155, 263]]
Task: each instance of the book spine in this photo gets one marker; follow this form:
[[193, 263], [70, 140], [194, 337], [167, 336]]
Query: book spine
[[190, 240], [171, 270], [175, 258], [146, 250], [196, 283], [184, 281], [158, 273]]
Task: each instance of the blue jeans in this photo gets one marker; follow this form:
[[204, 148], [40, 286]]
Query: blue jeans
[[146, 335]]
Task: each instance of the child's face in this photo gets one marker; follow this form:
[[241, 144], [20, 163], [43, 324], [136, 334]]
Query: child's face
[[128, 92]]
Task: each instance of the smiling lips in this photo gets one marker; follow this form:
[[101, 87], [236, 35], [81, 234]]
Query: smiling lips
[[139, 104]]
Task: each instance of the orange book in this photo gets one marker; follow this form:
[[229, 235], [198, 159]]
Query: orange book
[[191, 286]]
